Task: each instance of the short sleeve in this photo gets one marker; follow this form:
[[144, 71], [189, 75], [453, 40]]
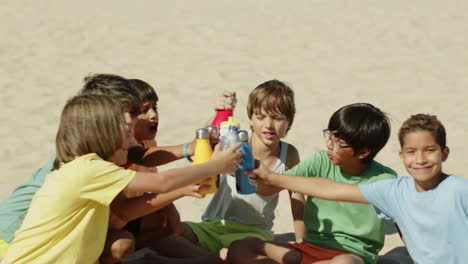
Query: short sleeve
[[103, 181], [306, 167], [382, 195]]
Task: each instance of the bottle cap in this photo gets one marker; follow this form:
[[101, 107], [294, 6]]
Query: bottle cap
[[233, 99], [243, 135], [233, 128], [212, 129], [202, 133]]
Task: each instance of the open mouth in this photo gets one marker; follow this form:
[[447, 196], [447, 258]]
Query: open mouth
[[269, 135], [153, 127]]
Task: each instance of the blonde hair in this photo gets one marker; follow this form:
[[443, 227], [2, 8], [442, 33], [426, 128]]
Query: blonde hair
[[274, 97], [90, 123]]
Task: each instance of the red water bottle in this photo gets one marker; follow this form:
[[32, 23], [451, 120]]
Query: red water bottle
[[221, 115]]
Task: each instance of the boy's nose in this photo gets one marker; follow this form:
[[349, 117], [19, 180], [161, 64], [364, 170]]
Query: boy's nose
[[153, 114], [269, 122], [420, 158]]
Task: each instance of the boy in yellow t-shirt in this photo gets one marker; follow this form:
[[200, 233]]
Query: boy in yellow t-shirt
[[68, 217]]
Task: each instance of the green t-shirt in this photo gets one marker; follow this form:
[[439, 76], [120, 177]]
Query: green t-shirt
[[349, 227], [14, 208]]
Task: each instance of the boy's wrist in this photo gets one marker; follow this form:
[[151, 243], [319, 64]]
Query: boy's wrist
[[272, 180]]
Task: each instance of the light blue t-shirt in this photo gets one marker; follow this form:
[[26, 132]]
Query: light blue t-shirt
[[14, 208], [434, 223]]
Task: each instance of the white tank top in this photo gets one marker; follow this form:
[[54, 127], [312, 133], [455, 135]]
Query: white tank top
[[251, 209]]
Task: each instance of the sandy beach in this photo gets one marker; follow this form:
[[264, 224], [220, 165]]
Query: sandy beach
[[403, 57]]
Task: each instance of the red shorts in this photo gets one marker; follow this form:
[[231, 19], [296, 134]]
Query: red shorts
[[312, 253]]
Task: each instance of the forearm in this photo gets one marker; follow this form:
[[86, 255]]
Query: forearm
[[267, 190], [172, 179], [133, 208], [159, 155], [297, 210], [319, 187]]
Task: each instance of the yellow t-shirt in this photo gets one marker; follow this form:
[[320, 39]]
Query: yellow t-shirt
[[68, 217]]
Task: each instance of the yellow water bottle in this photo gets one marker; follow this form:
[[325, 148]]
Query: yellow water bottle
[[203, 154]]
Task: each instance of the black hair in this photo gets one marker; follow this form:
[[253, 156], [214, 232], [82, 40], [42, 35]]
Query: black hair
[[144, 91], [363, 126]]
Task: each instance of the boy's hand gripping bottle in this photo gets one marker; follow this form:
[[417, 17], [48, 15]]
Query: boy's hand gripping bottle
[[244, 184], [202, 154]]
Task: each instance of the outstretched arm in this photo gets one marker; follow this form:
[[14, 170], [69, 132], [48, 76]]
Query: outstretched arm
[[313, 186], [221, 162], [159, 155], [291, 161], [132, 208]]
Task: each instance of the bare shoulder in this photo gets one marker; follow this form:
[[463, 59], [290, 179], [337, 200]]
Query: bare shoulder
[[293, 156]]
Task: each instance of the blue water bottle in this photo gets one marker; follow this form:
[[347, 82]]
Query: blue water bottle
[[244, 184]]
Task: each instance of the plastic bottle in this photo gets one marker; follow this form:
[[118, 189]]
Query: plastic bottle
[[202, 154], [244, 184], [229, 139], [226, 124]]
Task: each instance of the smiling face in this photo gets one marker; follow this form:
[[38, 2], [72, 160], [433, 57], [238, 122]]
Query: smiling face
[[269, 128], [146, 124], [422, 157]]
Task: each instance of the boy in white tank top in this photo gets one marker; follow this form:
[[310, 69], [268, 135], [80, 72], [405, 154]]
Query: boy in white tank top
[[231, 216]]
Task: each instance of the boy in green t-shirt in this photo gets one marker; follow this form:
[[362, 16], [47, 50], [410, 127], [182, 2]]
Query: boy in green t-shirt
[[337, 232]]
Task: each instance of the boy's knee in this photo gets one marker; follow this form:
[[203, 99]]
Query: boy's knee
[[347, 259], [123, 247], [248, 243], [241, 251]]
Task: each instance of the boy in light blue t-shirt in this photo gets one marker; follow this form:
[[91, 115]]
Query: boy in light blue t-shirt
[[430, 207]]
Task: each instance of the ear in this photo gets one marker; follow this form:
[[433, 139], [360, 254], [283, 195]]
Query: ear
[[445, 153], [401, 155], [363, 154]]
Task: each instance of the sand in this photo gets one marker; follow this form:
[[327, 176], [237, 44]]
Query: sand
[[404, 57]]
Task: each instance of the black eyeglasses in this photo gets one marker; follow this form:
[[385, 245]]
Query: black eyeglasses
[[336, 144]]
